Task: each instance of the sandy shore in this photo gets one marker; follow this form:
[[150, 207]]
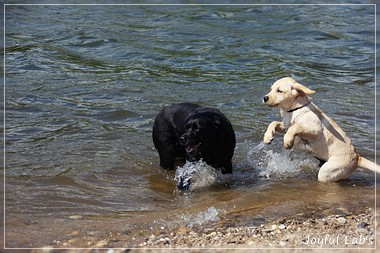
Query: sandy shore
[[333, 231], [351, 232]]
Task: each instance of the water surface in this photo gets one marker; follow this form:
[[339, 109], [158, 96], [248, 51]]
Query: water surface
[[84, 83]]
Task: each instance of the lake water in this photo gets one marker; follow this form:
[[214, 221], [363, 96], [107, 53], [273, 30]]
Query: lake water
[[84, 83]]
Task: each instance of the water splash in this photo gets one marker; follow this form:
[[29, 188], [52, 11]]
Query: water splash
[[260, 146], [195, 175], [277, 163], [211, 214]]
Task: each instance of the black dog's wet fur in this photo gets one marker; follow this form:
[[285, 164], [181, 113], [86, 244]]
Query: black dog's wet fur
[[180, 125]]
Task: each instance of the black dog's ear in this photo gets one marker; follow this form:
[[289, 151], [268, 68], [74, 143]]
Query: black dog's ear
[[217, 122]]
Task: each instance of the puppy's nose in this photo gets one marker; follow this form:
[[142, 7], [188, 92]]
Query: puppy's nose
[[182, 140], [266, 98]]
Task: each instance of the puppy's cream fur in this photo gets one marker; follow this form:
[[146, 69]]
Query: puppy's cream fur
[[307, 128]]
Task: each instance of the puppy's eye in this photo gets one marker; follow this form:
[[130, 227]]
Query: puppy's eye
[[279, 91]]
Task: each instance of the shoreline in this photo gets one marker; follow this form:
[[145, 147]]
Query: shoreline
[[351, 227], [332, 231], [351, 231]]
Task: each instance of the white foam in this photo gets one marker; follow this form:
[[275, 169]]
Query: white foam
[[210, 215], [277, 164], [199, 173]]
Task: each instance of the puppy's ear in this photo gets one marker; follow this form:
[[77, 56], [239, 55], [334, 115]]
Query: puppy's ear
[[217, 122], [302, 89]]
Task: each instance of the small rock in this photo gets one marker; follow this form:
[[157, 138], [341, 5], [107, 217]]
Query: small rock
[[251, 243], [363, 231], [195, 234], [90, 233], [282, 243], [101, 243], [362, 225], [165, 240], [75, 232], [75, 217], [71, 241], [267, 230], [341, 220], [281, 226]]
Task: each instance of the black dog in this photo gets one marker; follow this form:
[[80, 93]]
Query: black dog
[[189, 131]]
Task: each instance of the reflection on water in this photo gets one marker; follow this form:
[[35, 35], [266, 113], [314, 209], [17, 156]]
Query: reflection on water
[[84, 83]]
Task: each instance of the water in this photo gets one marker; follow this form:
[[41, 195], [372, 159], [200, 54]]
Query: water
[[84, 83]]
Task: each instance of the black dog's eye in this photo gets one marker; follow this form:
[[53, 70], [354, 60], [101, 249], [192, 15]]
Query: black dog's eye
[[196, 128]]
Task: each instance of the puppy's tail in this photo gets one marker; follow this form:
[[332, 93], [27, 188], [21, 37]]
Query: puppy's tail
[[367, 164]]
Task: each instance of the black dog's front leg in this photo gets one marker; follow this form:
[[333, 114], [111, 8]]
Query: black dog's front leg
[[167, 158]]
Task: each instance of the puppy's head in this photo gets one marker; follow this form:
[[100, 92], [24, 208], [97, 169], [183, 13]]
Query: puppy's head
[[200, 131], [285, 92]]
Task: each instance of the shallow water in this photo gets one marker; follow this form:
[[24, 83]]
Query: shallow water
[[84, 83]]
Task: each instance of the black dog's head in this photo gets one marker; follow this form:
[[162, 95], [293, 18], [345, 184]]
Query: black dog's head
[[200, 132]]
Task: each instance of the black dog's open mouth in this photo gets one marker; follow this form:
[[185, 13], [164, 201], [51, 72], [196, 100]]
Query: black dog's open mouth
[[192, 149]]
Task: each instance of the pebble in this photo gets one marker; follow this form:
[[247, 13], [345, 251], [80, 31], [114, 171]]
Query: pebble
[[90, 233], [75, 232], [71, 241], [341, 220], [101, 243], [363, 231], [192, 233], [251, 243], [267, 230], [281, 227], [362, 225], [165, 240], [75, 217]]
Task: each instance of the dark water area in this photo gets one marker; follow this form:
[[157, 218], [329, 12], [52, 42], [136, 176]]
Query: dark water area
[[84, 83]]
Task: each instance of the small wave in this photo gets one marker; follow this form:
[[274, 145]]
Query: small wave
[[211, 214]]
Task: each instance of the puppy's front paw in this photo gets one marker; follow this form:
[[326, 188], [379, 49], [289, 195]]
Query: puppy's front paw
[[268, 137], [288, 141]]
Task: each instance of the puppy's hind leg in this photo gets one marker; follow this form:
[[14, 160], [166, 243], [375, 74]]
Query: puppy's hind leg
[[335, 169]]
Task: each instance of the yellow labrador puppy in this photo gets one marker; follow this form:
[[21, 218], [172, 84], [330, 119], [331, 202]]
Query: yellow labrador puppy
[[307, 128]]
